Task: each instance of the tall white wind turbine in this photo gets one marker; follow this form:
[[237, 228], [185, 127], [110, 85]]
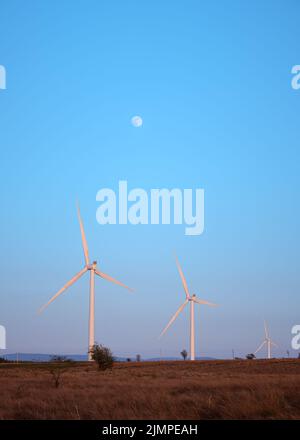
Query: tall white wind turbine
[[92, 268], [192, 300], [266, 341]]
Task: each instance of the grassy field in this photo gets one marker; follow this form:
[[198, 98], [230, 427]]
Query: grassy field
[[259, 389]]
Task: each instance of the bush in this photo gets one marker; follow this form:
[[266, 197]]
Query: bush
[[250, 356], [58, 358], [102, 356], [56, 374]]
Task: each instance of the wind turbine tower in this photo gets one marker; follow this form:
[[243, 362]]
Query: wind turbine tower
[[191, 300]]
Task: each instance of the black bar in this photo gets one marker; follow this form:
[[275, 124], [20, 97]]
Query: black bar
[[103, 429]]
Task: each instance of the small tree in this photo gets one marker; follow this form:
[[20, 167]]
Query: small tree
[[250, 356], [184, 354], [138, 358], [56, 373], [102, 356]]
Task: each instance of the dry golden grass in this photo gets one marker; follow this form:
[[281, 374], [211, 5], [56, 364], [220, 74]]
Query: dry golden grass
[[258, 389]]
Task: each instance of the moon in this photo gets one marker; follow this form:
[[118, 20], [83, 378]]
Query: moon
[[136, 121]]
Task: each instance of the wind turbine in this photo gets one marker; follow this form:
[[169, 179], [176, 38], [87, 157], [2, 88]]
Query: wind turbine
[[192, 300], [267, 341], [92, 268]]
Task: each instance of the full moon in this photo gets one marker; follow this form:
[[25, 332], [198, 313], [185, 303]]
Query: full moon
[[137, 121]]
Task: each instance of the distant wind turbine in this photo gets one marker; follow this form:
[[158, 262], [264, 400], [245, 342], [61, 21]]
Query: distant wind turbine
[[192, 299], [267, 341], [93, 270]]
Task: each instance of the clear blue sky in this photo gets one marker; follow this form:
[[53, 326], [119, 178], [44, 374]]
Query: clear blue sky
[[212, 82]]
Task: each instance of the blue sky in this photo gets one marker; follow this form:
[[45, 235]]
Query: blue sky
[[213, 85]]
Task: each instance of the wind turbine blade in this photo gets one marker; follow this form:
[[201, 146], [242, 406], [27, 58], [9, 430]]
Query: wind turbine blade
[[182, 278], [68, 284], [174, 317], [260, 347], [202, 301], [266, 330], [112, 280], [273, 343], [84, 242]]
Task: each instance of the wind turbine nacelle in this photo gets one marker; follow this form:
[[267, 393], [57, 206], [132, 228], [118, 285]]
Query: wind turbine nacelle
[[92, 266]]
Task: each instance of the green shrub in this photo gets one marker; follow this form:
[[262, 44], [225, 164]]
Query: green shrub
[[102, 356]]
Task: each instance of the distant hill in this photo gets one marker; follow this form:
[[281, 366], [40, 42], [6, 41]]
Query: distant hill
[[179, 359], [39, 357]]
